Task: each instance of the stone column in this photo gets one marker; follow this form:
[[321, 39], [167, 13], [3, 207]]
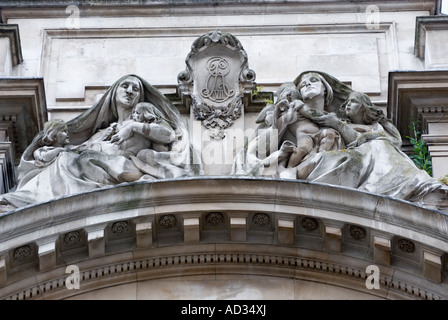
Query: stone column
[[437, 143]]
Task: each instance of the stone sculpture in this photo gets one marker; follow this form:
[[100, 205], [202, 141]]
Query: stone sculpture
[[99, 148], [365, 147], [216, 75], [318, 130]]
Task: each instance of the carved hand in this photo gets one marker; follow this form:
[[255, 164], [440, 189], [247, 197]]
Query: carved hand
[[122, 135], [327, 120], [363, 138]]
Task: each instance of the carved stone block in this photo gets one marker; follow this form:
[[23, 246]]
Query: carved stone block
[[96, 242], [191, 230], [333, 238], [47, 255], [3, 277], [143, 233], [285, 232], [432, 266], [381, 250], [238, 230]]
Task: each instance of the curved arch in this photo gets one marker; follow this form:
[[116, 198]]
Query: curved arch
[[286, 232]]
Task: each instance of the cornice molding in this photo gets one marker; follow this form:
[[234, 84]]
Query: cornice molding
[[11, 31], [212, 226], [22, 101], [424, 24], [236, 259], [412, 93], [52, 9]]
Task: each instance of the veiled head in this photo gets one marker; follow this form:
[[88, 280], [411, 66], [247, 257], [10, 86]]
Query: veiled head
[[312, 85], [128, 91]]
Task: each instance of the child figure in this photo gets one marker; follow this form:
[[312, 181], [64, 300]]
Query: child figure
[[55, 138], [145, 130], [296, 116], [43, 150]]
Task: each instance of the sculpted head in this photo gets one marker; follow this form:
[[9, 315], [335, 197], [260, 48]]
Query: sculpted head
[[288, 91], [312, 85], [145, 112], [55, 133], [354, 102], [128, 92], [359, 108]]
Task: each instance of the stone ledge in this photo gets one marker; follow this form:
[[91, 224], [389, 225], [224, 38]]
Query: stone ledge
[[52, 9], [219, 262], [168, 219]]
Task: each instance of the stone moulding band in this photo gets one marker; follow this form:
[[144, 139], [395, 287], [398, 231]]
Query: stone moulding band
[[166, 266], [277, 223]]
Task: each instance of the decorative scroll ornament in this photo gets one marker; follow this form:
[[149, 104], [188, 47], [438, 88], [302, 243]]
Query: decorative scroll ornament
[[217, 72]]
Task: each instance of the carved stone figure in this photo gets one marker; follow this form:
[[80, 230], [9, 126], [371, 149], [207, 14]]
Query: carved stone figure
[[367, 156], [373, 160], [216, 74], [108, 147], [279, 126]]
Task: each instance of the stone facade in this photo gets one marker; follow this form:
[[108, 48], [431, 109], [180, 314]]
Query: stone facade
[[215, 235]]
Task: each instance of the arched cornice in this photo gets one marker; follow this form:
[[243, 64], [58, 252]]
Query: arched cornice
[[216, 226]]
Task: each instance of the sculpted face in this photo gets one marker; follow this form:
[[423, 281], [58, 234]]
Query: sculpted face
[[62, 137], [311, 86], [353, 105], [128, 92], [142, 114], [137, 114]]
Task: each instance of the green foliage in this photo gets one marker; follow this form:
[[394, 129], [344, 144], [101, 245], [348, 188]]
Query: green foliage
[[421, 156], [444, 179], [257, 91]]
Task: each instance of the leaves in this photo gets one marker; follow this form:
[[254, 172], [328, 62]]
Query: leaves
[[421, 156]]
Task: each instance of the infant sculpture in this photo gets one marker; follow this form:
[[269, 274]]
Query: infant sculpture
[[329, 133], [326, 133]]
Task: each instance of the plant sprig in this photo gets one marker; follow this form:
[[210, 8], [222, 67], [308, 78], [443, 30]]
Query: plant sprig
[[421, 156]]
